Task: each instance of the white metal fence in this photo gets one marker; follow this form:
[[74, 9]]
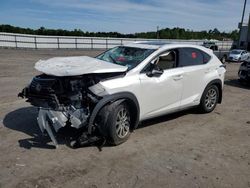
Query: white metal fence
[[12, 40]]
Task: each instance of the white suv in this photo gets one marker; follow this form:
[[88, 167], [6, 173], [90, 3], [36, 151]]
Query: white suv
[[109, 95]]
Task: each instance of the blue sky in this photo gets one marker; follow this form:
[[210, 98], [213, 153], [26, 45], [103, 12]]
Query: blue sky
[[125, 16]]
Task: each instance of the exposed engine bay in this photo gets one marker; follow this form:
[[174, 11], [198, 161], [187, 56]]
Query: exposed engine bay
[[63, 101]]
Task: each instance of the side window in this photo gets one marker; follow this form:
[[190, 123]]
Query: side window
[[167, 61], [191, 57], [206, 57]]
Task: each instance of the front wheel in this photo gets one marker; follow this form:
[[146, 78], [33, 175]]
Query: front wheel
[[116, 127], [209, 99]]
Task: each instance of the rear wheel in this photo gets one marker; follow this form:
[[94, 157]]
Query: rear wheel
[[223, 59], [209, 99]]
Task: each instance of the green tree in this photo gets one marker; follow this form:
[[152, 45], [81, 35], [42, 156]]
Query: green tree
[[166, 33]]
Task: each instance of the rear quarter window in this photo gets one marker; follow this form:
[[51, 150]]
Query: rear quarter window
[[192, 56]]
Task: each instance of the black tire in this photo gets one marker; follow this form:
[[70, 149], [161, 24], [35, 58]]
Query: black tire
[[223, 59], [109, 127], [209, 99]]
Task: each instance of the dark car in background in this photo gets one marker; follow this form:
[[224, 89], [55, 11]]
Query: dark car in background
[[244, 71]]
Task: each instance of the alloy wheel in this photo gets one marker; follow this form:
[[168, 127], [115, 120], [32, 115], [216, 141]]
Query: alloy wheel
[[122, 123], [211, 98]]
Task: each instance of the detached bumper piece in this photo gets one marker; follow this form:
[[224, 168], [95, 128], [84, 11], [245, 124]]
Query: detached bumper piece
[[61, 110], [50, 122]]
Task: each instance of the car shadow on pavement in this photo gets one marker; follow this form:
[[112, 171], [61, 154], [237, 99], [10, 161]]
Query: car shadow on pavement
[[237, 83], [24, 120]]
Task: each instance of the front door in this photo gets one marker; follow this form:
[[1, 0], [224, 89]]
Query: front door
[[161, 93]]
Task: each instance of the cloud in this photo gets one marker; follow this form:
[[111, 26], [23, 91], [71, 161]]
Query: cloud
[[134, 15]]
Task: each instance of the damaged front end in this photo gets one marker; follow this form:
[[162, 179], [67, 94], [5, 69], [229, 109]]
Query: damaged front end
[[63, 102]]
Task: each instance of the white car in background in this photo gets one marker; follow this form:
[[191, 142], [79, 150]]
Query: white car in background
[[109, 95], [238, 55]]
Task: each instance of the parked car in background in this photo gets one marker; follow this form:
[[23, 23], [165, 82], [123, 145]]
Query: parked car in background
[[221, 54], [244, 71], [109, 95], [211, 45], [238, 55]]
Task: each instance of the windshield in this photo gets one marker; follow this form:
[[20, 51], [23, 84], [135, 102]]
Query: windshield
[[126, 56], [235, 52]]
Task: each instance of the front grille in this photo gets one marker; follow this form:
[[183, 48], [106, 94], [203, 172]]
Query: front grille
[[45, 91], [40, 85]]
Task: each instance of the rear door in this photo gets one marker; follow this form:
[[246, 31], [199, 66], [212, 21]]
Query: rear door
[[195, 68]]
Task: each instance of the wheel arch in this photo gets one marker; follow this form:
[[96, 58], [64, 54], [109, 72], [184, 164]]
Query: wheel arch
[[218, 83], [129, 97]]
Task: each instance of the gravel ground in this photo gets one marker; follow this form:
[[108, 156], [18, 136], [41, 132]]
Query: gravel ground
[[185, 149]]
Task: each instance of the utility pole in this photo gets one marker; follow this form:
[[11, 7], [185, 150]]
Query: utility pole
[[157, 32], [248, 34], [242, 19]]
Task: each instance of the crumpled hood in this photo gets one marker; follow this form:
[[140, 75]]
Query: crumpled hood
[[77, 65]]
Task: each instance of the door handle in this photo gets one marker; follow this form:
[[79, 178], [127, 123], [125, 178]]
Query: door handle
[[178, 77]]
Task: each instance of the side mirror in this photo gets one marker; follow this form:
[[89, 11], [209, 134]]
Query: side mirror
[[155, 72]]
